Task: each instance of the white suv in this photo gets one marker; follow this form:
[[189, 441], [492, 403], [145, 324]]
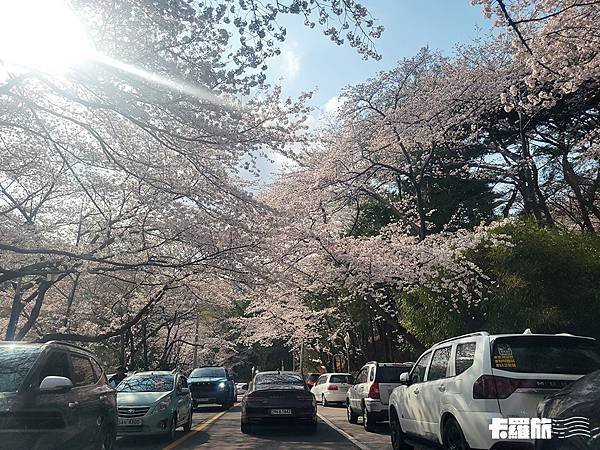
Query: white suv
[[459, 385], [332, 388], [370, 394]]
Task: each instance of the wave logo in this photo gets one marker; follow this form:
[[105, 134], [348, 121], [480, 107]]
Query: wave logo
[[571, 427]]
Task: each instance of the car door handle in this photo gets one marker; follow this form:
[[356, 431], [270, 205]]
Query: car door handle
[[73, 404], [442, 388], [416, 392]]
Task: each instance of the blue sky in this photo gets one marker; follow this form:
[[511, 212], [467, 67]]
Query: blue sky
[[310, 61]]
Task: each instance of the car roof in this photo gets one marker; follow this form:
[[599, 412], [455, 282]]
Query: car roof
[[154, 372], [49, 344], [337, 373], [283, 372]]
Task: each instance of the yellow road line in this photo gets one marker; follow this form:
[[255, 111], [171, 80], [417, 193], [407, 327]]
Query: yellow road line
[[197, 428]]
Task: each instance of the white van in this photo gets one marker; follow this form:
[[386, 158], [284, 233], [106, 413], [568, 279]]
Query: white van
[[459, 385]]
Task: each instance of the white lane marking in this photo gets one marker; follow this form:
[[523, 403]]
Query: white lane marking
[[343, 433]]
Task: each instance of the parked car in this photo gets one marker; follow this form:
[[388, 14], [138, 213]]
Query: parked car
[[154, 403], [369, 396], [241, 388], [278, 397], [54, 396], [311, 379], [210, 385], [459, 385], [580, 400], [332, 388]]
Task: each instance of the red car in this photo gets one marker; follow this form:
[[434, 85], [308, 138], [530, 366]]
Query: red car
[[311, 379]]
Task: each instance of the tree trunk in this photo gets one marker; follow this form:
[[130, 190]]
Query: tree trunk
[[15, 312]]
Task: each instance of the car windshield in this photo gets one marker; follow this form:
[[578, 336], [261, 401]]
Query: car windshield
[[340, 379], [313, 377], [279, 378], [15, 363], [546, 354], [208, 372], [390, 374], [147, 383]]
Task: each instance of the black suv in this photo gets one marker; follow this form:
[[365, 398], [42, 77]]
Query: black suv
[[212, 385], [54, 396]]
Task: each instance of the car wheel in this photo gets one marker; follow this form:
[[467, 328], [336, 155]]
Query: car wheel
[[453, 437], [397, 434], [352, 417], [172, 428], [246, 428], [109, 438], [188, 424], [368, 420], [324, 401]]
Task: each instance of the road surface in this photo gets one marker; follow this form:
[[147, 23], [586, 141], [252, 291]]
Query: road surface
[[217, 429]]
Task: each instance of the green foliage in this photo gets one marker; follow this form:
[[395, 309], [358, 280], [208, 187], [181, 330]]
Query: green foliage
[[547, 281]]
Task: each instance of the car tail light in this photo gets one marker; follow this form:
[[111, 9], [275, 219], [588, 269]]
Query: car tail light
[[332, 387], [491, 386], [374, 390]]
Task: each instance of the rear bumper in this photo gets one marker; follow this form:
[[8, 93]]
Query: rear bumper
[[263, 414], [334, 396], [377, 408], [475, 427]]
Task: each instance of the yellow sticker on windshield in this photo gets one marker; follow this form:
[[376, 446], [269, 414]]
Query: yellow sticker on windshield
[[504, 358]]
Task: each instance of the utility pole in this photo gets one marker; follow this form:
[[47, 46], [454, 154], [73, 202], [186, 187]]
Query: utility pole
[[196, 338], [302, 357]]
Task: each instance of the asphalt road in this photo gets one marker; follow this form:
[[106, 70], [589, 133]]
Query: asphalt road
[[217, 429]]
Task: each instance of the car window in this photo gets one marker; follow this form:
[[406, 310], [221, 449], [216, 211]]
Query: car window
[[362, 376], [183, 382], [83, 374], [340, 379], [312, 377], [465, 354], [390, 374], [439, 364], [57, 365], [546, 354], [147, 383], [15, 363], [418, 373], [372, 374], [322, 380], [209, 372], [265, 378], [98, 371]]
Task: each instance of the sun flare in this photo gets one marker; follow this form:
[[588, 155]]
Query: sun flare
[[41, 34]]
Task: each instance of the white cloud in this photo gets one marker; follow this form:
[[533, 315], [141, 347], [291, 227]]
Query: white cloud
[[333, 104], [291, 61]]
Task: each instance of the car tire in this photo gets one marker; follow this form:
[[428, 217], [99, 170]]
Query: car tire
[[187, 427], [351, 415], [397, 434], [324, 401], [453, 437], [170, 436], [245, 428], [108, 437], [368, 420]]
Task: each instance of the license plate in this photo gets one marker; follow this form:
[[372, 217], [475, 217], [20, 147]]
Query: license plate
[[281, 412], [129, 422], [204, 399]]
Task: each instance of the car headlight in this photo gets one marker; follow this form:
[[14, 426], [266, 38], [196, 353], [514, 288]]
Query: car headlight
[[222, 385], [163, 404]]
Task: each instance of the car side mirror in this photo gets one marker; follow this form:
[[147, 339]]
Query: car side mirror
[[404, 378], [55, 385]]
